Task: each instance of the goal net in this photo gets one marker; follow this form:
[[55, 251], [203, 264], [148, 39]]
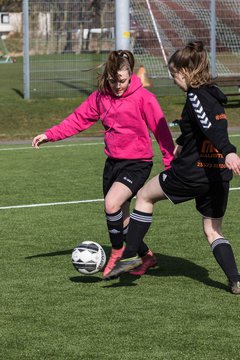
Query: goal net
[[159, 27], [66, 38]]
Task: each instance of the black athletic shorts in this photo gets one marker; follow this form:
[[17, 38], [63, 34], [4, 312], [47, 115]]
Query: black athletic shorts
[[132, 173], [211, 198]]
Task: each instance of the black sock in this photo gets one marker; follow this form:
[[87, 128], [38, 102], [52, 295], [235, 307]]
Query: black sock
[[143, 248], [223, 253], [115, 229], [125, 231], [138, 227]]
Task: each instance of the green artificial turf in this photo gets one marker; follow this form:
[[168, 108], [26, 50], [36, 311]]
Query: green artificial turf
[[180, 310]]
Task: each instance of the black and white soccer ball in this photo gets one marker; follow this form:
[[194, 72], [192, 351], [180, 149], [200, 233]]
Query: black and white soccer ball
[[88, 257]]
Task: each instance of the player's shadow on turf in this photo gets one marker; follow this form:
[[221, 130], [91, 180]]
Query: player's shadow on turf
[[54, 253], [107, 250], [167, 266], [127, 280], [176, 266], [84, 279]]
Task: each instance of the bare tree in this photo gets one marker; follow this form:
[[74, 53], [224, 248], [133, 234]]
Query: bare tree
[[10, 5]]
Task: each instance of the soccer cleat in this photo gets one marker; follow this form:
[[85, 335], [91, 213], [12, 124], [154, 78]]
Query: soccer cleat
[[148, 261], [235, 287], [123, 266], [116, 255]]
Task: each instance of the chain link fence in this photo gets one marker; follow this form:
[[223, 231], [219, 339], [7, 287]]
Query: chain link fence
[[69, 40]]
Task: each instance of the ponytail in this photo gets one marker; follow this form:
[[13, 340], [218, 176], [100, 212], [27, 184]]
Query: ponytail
[[193, 62]]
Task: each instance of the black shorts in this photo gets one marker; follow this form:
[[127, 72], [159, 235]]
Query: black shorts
[[211, 198], [132, 173]]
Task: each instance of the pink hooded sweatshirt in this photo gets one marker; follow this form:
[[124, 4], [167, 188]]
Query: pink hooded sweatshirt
[[126, 120]]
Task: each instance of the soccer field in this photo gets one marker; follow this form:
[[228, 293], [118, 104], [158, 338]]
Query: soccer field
[[51, 200]]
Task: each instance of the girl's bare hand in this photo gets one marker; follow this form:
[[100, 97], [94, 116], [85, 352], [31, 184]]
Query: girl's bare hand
[[232, 162], [38, 140]]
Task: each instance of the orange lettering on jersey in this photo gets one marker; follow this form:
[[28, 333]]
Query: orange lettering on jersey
[[221, 116], [207, 147], [209, 151]]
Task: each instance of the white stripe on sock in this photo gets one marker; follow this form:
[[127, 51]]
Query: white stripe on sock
[[115, 217], [218, 242], [141, 218]]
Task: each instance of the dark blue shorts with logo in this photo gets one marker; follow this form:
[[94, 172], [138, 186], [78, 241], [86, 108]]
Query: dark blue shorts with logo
[[132, 173]]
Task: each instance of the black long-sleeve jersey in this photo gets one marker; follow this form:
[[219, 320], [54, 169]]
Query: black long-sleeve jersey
[[204, 137]]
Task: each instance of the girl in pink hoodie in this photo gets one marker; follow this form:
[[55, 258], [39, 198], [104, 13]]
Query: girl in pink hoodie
[[127, 111]]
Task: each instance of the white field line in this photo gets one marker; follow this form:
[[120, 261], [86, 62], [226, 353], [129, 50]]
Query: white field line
[[49, 204], [70, 145], [63, 203], [50, 147]]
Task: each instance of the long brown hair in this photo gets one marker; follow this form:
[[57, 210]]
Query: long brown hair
[[117, 60], [193, 62]]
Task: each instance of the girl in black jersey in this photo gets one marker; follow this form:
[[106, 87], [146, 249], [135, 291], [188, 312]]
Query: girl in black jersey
[[203, 165]]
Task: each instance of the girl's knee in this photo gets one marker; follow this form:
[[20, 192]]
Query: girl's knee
[[142, 195], [111, 206]]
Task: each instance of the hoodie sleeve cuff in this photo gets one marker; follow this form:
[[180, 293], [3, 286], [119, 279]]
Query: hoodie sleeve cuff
[[228, 149], [180, 140], [48, 135]]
